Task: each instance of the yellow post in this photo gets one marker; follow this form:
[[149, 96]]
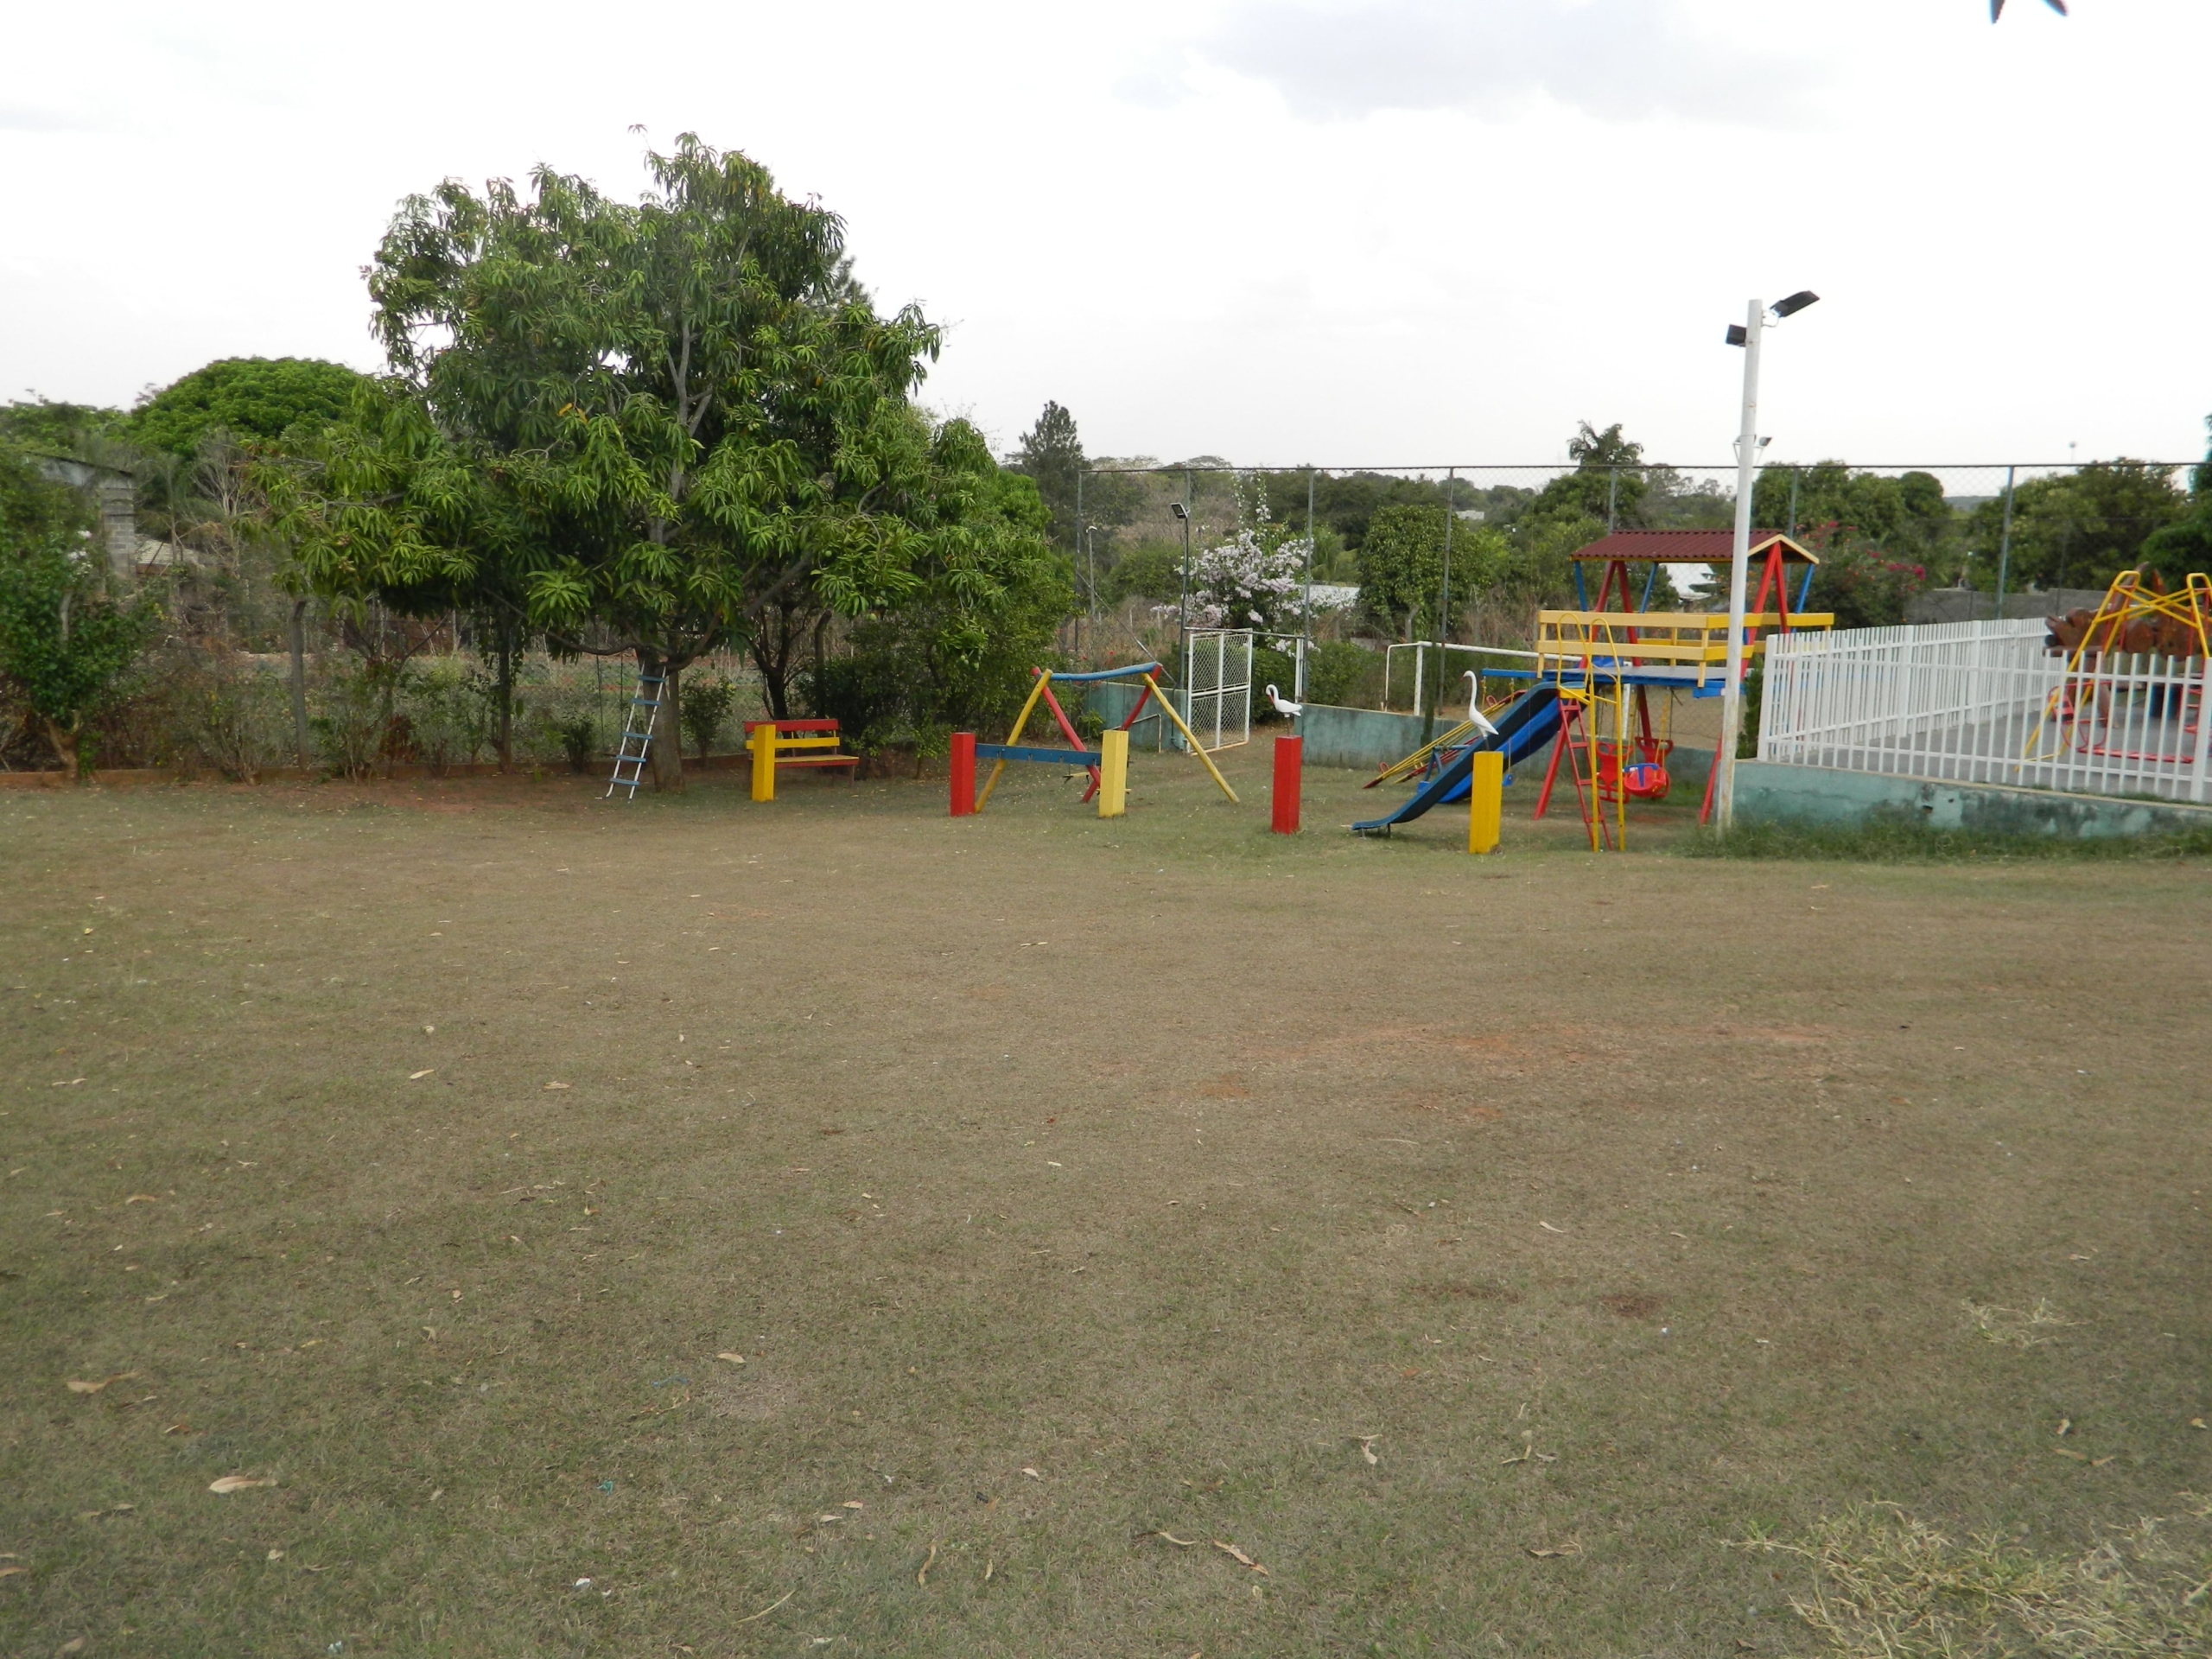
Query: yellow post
[[1012, 738], [1113, 774], [1486, 801], [1168, 709], [764, 760]]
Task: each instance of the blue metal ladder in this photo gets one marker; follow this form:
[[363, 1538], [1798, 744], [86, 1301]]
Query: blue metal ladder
[[637, 745]]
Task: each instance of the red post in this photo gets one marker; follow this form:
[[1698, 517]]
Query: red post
[[963, 774], [1290, 754]]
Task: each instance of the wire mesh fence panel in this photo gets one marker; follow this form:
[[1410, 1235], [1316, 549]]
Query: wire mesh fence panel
[[1986, 702], [1217, 685]]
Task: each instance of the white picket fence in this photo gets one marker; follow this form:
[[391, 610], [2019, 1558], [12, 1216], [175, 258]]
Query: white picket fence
[[1982, 702]]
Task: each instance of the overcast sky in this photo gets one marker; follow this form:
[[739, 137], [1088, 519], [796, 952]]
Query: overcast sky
[[1280, 230]]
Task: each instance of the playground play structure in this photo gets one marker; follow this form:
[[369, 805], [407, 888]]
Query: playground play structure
[[1108, 765], [1593, 678], [2138, 618]]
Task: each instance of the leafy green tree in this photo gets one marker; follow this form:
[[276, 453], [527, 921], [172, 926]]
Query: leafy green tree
[[1052, 453], [33, 507], [1608, 481], [67, 640], [250, 399], [60, 428], [668, 428], [2185, 544], [1401, 568], [989, 595], [2079, 530]]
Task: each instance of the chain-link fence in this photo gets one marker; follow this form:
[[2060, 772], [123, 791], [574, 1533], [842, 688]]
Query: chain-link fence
[[1328, 566], [1371, 553]]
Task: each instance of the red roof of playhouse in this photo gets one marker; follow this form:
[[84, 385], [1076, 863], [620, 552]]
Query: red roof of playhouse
[[1687, 547]]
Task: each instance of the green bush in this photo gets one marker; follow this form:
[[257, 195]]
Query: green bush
[[352, 723], [1343, 674], [706, 705], [1276, 668], [1148, 570], [450, 709]]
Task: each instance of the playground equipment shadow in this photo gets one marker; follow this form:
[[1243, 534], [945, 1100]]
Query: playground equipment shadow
[[1102, 1213]]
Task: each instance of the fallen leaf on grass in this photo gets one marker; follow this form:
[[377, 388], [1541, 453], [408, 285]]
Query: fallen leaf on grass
[[922, 1577], [75, 1386], [563, 1086], [1237, 1555], [1032, 1473], [230, 1484], [10, 1572], [1367, 1446], [2196, 1423], [1549, 1552], [427, 1071], [734, 1359], [1179, 1543], [852, 1503], [1548, 1228], [140, 1198]]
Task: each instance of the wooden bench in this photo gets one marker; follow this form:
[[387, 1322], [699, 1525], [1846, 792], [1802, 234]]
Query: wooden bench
[[771, 741]]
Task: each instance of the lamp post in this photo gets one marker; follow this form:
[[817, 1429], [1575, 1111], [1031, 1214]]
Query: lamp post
[[1183, 605], [1747, 459]]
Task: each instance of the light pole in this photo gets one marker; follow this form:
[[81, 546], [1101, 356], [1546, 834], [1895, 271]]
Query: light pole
[[1740, 562], [1183, 605]]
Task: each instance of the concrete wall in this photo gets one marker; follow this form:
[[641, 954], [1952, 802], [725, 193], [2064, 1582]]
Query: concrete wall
[[1365, 739], [1768, 792], [1970, 605]]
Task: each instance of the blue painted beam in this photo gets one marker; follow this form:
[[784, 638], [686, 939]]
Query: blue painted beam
[[1025, 752], [1129, 673]]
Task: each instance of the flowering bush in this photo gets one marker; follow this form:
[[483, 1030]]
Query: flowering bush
[[1245, 583]]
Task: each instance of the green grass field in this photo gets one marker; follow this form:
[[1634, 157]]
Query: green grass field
[[1152, 1237]]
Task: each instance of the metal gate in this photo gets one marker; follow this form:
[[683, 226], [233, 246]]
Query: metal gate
[[1218, 686]]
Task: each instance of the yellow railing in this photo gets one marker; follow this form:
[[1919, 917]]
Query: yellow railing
[[1653, 640]]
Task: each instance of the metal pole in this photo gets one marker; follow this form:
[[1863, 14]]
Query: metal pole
[[1444, 598], [1747, 455], [1305, 611], [1797, 474], [1183, 605], [2004, 543], [1612, 495]]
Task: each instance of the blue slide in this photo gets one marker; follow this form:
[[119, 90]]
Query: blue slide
[[1531, 722]]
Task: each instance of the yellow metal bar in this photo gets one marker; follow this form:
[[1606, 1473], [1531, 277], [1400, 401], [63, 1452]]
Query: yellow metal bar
[[1169, 709], [1113, 774], [1419, 758], [1486, 801], [1704, 621], [1014, 737], [763, 745]]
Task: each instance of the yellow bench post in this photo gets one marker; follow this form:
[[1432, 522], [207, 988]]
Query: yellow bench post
[[763, 746], [1113, 774], [1486, 801]]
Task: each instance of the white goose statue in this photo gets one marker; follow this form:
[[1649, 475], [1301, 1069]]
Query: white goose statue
[[1475, 715], [1288, 709]]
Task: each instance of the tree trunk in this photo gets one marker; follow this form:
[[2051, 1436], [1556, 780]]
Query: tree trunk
[[821, 625], [300, 683], [506, 694], [667, 747], [772, 655], [64, 741]]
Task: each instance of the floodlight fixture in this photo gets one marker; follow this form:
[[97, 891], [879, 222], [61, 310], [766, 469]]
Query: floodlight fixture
[[1796, 302], [1177, 509], [1738, 336]]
